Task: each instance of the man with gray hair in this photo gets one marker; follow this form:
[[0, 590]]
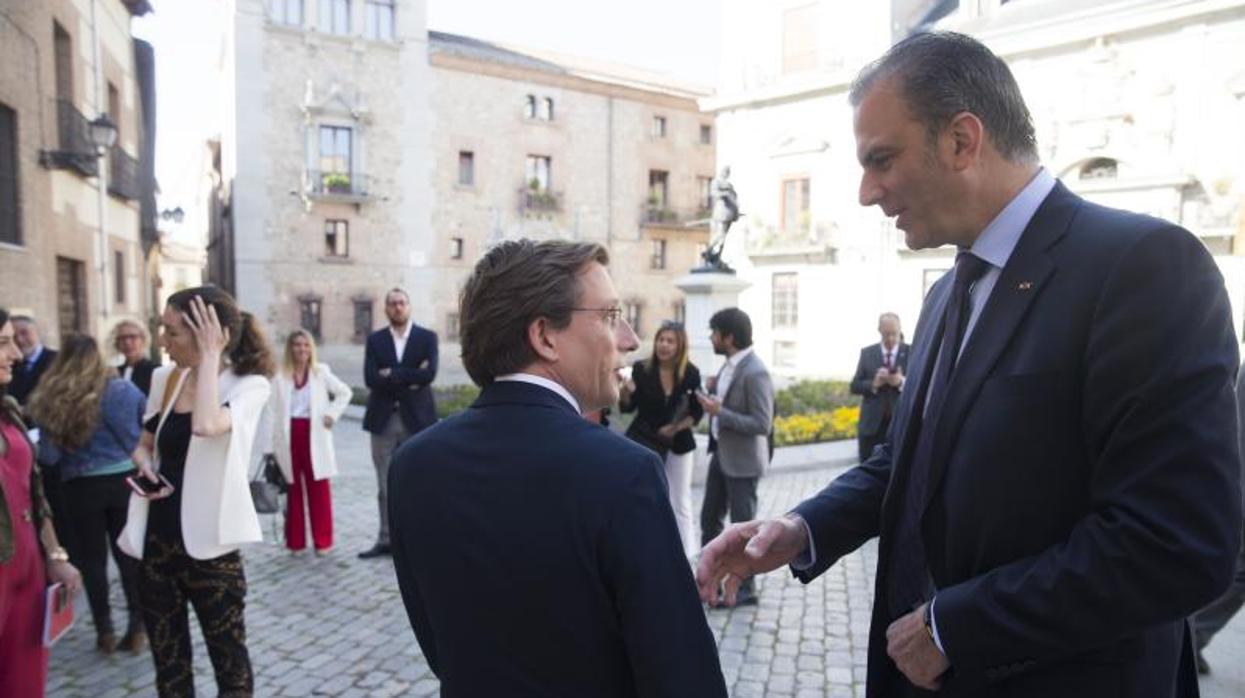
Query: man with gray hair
[[1060, 488], [36, 358], [536, 552]]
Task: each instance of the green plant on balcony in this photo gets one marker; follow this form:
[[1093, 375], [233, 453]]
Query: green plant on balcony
[[336, 182]]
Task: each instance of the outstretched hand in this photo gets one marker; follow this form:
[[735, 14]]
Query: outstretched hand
[[746, 549]]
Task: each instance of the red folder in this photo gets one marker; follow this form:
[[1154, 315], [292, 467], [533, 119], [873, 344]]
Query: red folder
[[57, 614]]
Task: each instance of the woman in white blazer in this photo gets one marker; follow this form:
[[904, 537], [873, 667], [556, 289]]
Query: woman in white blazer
[[200, 425], [307, 400]]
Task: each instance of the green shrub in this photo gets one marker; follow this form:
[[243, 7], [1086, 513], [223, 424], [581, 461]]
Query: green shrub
[[452, 399], [809, 396]]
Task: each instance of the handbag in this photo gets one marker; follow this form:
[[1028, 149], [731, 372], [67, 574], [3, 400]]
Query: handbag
[[267, 486]]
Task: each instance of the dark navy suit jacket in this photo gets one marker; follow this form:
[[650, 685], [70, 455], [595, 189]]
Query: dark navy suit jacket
[[875, 406], [1084, 495], [25, 380], [537, 555], [408, 386]]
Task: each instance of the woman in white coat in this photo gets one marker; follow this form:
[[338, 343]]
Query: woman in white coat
[[307, 400], [195, 509]]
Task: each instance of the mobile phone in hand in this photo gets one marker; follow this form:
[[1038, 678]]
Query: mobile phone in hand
[[144, 487]]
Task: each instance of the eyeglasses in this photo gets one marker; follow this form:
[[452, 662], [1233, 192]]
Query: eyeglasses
[[123, 337], [611, 315]]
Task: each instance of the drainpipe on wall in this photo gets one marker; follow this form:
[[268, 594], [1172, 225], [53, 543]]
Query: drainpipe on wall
[[101, 181]]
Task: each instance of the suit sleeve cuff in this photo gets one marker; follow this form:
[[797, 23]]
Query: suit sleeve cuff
[[807, 559]]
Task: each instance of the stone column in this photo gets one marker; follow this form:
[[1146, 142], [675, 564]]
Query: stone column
[[705, 294]]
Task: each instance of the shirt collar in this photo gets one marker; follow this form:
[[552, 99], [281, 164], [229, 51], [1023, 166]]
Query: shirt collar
[[544, 383], [406, 330], [739, 356], [997, 242], [34, 356]]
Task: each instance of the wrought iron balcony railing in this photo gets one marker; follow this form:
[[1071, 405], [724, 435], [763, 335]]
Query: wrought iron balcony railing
[[75, 149], [346, 186], [123, 174], [540, 200]]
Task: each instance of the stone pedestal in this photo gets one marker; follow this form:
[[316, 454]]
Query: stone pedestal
[[706, 294]]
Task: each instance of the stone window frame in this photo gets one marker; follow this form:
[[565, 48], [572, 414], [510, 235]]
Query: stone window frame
[[785, 300], [279, 12]]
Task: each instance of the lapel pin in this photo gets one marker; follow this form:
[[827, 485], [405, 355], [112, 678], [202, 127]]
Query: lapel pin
[[1024, 285]]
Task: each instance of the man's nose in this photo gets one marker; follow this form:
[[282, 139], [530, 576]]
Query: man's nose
[[870, 192], [628, 340]]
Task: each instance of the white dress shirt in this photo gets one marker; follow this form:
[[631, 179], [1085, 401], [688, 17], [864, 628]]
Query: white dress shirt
[[544, 383], [399, 339]]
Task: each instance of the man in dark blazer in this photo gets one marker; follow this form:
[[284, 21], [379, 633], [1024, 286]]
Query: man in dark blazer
[[36, 358], [879, 377], [1060, 489], [536, 551], [399, 365], [129, 338]]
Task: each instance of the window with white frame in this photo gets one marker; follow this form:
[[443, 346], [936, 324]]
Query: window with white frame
[[336, 238], [456, 248], [799, 38], [545, 111], [795, 203], [466, 168], [336, 151], [380, 19], [786, 300], [335, 16], [287, 12], [538, 172], [659, 127], [529, 107], [658, 260]]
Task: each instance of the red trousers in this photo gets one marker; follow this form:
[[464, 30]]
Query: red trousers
[[319, 502]]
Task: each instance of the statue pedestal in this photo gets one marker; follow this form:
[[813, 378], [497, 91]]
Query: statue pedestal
[[706, 294]]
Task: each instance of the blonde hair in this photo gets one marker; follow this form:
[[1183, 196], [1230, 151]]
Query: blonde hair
[[66, 402], [116, 330], [680, 352], [287, 362]]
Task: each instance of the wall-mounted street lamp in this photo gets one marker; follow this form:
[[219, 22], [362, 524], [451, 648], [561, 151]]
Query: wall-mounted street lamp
[[103, 133], [177, 215]]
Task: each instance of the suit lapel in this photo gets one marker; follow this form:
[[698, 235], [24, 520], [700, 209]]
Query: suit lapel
[[1019, 284], [924, 344]]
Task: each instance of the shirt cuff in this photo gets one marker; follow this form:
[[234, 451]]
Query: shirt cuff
[[808, 558], [933, 624]]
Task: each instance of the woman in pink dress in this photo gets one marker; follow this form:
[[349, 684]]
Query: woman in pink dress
[[30, 556]]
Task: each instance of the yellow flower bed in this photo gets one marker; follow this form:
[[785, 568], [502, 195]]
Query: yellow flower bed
[[817, 426]]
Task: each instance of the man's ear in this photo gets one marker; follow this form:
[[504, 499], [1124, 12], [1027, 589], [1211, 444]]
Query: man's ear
[[967, 139], [541, 338]]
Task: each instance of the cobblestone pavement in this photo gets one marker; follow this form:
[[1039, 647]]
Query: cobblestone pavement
[[336, 626]]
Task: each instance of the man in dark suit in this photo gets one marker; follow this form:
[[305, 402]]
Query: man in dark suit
[[1060, 488], [129, 338], [36, 358], [399, 364], [536, 551], [880, 375]]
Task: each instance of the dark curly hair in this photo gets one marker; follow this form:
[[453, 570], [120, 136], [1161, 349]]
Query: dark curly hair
[[247, 349]]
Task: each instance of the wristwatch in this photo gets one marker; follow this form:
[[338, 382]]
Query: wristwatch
[[58, 554]]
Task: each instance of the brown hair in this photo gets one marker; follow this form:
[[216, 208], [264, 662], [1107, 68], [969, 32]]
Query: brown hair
[[66, 402], [680, 352], [247, 348], [513, 284]]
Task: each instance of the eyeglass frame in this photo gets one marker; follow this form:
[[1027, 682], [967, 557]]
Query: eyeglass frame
[[612, 314]]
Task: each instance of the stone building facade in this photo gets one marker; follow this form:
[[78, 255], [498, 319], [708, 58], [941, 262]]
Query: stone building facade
[[324, 200], [76, 228], [1137, 105], [542, 146]]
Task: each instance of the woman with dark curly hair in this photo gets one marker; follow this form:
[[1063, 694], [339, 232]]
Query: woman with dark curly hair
[[90, 420], [30, 555], [202, 416]]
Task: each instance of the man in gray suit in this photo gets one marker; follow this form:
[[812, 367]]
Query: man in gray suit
[[741, 410]]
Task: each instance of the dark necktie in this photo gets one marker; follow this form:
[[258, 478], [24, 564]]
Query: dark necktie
[[909, 582]]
